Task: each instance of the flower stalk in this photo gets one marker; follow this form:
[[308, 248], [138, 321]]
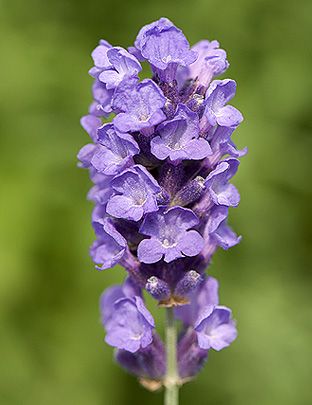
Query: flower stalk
[[172, 377]]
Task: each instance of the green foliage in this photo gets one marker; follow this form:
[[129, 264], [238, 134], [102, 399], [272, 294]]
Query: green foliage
[[51, 338]]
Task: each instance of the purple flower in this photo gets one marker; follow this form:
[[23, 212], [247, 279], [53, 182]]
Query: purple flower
[[135, 194], [112, 294], [215, 328], [114, 152], [219, 93], [90, 124], [191, 192], [217, 231], [225, 237], [103, 99], [110, 246], [164, 46], [107, 302], [211, 62], [171, 236], [221, 144], [102, 190], [217, 183], [122, 65], [100, 58], [128, 323], [140, 105], [179, 139], [85, 154]]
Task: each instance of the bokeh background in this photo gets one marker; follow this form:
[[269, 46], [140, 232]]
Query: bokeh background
[[51, 340]]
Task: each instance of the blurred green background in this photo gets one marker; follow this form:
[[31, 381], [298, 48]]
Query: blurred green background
[[51, 340]]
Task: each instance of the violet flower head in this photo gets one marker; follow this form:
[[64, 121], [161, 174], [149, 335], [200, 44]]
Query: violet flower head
[[100, 192], [90, 124], [161, 160]]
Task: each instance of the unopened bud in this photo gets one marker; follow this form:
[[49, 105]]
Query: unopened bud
[[191, 192], [187, 283], [158, 289]]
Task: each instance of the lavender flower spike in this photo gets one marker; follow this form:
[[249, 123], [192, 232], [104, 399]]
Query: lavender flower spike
[[161, 173]]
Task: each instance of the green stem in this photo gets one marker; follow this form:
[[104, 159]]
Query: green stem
[[171, 382]]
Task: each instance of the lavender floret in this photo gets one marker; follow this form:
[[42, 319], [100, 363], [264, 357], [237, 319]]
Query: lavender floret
[[219, 188], [139, 105], [219, 93], [135, 192], [123, 65], [128, 323], [215, 328], [211, 62], [115, 150], [165, 47], [178, 139], [171, 236], [110, 246]]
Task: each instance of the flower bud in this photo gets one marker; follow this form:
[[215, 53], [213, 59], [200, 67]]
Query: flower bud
[[191, 192], [187, 283], [158, 289]]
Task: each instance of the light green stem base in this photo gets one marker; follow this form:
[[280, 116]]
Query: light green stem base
[[171, 382]]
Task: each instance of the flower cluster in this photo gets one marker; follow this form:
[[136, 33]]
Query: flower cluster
[[161, 171]]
